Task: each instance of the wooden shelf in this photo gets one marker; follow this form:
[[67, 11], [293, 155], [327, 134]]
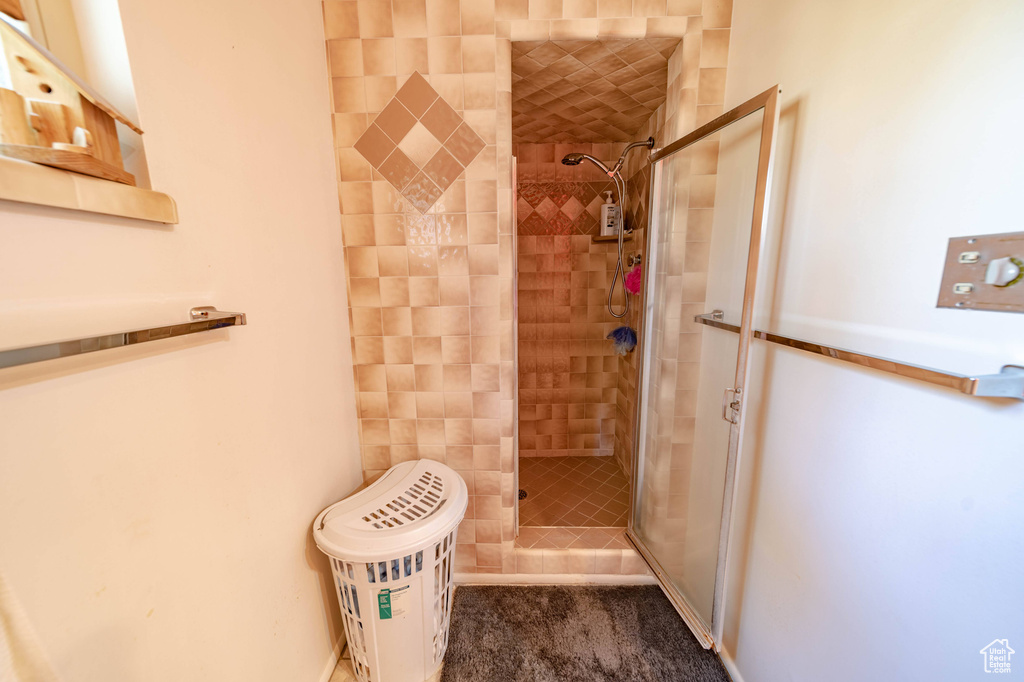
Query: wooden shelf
[[611, 238], [33, 183], [74, 161]]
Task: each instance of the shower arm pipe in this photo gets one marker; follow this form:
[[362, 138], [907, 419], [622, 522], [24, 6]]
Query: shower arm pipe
[[649, 143]]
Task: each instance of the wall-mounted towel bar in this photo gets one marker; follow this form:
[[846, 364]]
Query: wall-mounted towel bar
[[1009, 383], [201, 319]]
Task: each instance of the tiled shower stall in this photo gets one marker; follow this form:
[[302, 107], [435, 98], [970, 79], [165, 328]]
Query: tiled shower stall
[[430, 243]]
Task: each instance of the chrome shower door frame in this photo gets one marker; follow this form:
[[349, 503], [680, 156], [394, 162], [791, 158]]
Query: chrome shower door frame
[[708, 635]]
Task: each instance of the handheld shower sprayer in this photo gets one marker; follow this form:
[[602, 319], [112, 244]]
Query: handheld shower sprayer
[[575, 159]]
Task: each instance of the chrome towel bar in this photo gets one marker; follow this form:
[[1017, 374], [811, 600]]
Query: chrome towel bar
[[202, 319], [1009, 383]]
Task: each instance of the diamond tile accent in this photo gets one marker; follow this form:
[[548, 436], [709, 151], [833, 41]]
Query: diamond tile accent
[[419, 143], [583, 91], [573, 491], [560, 207]]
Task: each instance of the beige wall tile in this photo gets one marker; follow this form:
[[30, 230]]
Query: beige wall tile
[[478, 53], [614, 8], [623, 28], [348, 128], [683, 8], [444, 54], [480, 90], [443, 18], [545, 9], [477, 17], [666, 27], [409, 18], [575, 29], [374, 18], [341, 19], [711, 87], [352, 165], [717, 13], [529, 30], [579, 9], [449, 86], [512, 9], [411, 55], [379, 91], [378, 57], [356, 198], [349, 95], [715, 50], [345, 57], [649, 8]]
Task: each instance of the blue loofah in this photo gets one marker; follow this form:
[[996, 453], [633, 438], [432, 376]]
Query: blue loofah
[[624, 339]]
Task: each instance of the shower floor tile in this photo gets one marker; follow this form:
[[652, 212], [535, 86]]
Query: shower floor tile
[[573, 491], [567, 537]]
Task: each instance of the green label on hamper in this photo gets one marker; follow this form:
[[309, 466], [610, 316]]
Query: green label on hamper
[[384, 604], [392, 602]]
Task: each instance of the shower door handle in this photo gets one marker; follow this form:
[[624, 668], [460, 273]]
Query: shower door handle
[[731, 404]]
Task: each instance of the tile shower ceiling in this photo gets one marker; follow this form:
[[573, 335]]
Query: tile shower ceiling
[[419, 143], [587, 91]]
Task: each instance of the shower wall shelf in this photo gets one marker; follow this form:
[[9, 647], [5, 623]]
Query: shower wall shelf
[[601, 239], [1009, 383], [201, 319]]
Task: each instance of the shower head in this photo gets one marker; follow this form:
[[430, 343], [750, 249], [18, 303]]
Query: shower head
[[577, 158]]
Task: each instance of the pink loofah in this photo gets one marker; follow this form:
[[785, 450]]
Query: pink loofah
[[633, 280]]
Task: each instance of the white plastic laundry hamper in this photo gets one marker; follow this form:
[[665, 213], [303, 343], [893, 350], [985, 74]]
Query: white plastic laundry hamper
[[391, 547]]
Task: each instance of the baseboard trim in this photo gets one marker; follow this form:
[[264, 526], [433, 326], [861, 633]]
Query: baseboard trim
[[551, 579], [332, 661], [730, 666]]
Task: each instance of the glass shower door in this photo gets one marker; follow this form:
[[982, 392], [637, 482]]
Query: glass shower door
[[709, 192]]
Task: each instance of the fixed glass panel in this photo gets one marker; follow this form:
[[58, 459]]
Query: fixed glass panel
[[707, 210]]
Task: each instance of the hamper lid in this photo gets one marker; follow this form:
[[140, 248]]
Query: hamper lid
[[409, 507]]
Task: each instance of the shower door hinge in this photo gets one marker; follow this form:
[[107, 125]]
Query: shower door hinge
[[731, 405]]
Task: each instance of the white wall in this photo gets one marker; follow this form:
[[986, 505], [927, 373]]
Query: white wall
[[882, 539], [156, 502]]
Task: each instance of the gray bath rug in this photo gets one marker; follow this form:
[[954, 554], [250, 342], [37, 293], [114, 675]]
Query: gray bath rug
[[572, 633]]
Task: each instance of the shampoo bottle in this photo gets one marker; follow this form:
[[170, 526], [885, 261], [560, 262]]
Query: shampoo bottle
[[609, 216]]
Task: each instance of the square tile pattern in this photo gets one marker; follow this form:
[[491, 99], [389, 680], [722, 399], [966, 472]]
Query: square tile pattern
[[419, 143], [587, 91], [573, 491], [568, 370]]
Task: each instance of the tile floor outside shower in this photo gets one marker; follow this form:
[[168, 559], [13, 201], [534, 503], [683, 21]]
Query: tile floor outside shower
[[578, 492]]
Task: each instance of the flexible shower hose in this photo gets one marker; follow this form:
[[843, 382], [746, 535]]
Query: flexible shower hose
[[620, 273]]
